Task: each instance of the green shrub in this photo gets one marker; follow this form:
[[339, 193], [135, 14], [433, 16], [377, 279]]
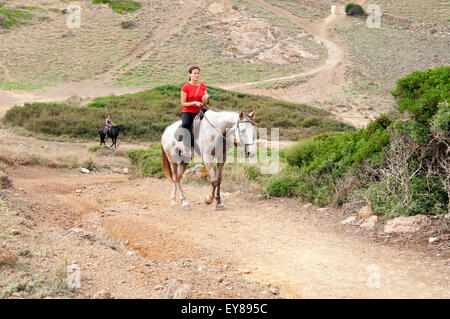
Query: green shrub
[[398, 164], [441, 120], [335, 152], [146, 162], [282, 185], [146, 114], [14, 17], [421, 92], [354, 9], [120, 5]]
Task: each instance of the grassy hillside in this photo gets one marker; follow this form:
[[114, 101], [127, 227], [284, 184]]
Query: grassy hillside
[[146, 114], [54, 53], [238, 43]]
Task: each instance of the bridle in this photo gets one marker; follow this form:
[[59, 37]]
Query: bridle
[[236, 129]]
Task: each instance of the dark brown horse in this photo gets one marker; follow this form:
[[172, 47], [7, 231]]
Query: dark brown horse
[[113, 134]]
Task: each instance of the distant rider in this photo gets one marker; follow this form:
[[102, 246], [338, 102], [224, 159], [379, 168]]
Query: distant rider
[[109, 123]]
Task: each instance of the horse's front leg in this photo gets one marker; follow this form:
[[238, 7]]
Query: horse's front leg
[[212, 176]]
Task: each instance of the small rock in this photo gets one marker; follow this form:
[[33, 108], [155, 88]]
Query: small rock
[[348, 220], [247, 271], [78, 191], [365, 212], [405, 224], [369, 223], [125, 170], [5, 182], [200, 269], [68, 34], [131, 253], [432, 239], [84, 170], [176, 290], [127, 24], [14, 232], [274, 290], [81, 232], [103, 294]]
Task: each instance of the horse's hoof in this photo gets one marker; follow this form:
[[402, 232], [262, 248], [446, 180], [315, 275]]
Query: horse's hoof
[[187, 207], [174, 206], [220, 207], [208, 200]]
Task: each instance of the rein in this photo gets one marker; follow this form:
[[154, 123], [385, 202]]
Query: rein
[[235, 142]]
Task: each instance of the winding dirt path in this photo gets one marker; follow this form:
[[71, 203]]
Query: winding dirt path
[[334, 60], [271, 241], [324, 82]]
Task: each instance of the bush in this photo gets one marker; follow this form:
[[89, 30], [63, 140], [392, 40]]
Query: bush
[[282, 185], [421, 92], [146, 162], [353, 9], [335, 152], [146, 114], [398, 164], [120, 5], [13, 17], [441, 120]]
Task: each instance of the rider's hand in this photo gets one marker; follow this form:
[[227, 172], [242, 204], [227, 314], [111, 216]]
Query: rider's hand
[[199, 104]]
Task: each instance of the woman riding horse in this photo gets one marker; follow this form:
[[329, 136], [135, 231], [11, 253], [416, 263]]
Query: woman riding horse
[[109, 123], [192, 95]]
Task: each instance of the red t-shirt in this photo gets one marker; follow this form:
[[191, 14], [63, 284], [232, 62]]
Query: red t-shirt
[[190, 90]]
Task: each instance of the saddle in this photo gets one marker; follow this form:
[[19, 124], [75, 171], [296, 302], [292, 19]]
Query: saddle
[[195, 128]]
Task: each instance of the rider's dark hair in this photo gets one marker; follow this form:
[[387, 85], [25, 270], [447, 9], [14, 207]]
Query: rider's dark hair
[[192, 68]]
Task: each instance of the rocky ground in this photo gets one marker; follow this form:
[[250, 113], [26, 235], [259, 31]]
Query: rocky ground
[[123, 239]]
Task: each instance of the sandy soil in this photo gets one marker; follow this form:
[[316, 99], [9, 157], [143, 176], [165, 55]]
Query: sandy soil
[[301, 250]]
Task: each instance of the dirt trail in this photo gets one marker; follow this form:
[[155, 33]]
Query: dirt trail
[[325, 81], [269, 241], [318, 30]]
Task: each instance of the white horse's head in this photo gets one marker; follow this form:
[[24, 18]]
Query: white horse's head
[[246, 133]]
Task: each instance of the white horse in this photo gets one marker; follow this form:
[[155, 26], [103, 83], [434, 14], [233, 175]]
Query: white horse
[[214, 135]]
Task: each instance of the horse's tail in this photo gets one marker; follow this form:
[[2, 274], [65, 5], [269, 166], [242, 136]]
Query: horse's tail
[[166, 164]]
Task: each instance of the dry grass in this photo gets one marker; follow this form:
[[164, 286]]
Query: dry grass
[[230, 50], [424, 11], [380, 56], [7, 256], [53, 53]]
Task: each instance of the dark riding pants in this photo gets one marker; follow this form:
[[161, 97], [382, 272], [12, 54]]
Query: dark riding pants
[[187, 119]]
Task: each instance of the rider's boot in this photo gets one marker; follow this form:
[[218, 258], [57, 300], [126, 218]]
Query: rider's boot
[[185, 151]]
